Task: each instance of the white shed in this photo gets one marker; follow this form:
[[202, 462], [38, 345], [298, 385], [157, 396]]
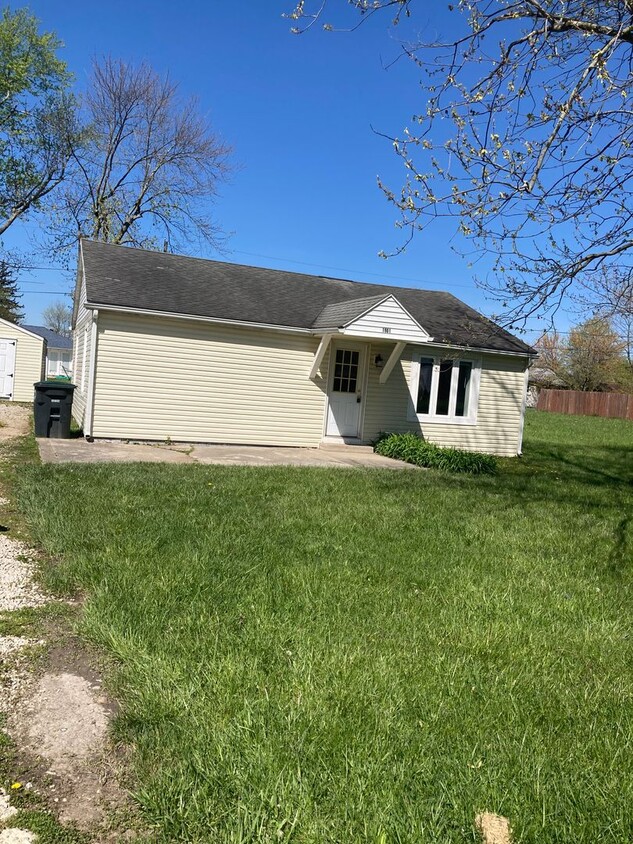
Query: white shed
[[22, 360]]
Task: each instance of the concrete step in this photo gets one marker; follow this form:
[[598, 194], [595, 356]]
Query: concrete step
[[349, 448]]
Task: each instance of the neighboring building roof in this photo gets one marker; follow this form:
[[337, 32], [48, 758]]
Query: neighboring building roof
[[542, 376], [53, 340], [137, 279]]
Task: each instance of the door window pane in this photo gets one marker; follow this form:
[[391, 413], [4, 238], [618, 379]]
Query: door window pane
[[463, 384], [444, 387], [424, 386], [345, 371]]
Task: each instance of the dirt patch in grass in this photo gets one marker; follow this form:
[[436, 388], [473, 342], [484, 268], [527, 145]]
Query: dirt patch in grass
[[64, 721], [494, 829], [15, 420]]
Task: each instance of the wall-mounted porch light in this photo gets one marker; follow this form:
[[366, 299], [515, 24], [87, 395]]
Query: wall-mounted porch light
[[379, 361]]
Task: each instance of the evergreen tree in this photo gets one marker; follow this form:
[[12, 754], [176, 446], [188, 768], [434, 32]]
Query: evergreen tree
[[10, 308]]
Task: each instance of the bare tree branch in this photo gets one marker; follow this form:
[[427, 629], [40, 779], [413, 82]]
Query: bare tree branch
[[150, 170], [609, 294], [525, 139], [58, 317]]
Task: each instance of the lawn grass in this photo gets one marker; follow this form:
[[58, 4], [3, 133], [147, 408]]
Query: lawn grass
[[315, 655]]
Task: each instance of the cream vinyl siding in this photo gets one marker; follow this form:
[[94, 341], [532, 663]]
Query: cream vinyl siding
[[81, 356], [389, 315], [159, 378], [29, 360], [499, 409]]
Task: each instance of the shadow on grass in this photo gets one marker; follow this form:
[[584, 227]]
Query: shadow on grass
[[606, 465], [620, 560]]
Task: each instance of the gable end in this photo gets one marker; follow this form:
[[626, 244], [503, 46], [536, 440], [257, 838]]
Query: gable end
[[387, 320]]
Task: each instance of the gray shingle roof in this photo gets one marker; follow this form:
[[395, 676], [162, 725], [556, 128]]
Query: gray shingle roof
[[53, 340], [139, 279]]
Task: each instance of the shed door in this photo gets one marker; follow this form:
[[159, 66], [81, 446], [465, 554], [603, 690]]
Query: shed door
[[7, 367], [345, 393]]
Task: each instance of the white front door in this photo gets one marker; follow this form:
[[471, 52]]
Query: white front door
[[345, 391], [7, 368]]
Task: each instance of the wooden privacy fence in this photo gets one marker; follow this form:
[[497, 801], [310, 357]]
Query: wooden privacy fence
[[617, 405]]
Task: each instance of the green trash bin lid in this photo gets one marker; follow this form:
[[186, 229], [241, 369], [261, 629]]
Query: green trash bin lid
[[58, 385]]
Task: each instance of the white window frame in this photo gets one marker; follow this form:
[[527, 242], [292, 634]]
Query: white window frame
[[58, 362], [52, 363], [473, 389]]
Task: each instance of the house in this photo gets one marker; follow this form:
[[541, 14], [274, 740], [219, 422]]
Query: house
[[29, 353], [59, 351], [186, 349]]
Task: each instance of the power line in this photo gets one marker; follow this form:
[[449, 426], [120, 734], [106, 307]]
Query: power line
[[54, 269], [34, 282], [346, 270], [571, 331], [48, 292]]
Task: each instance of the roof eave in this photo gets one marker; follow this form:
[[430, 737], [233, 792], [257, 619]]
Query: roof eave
[[291, 328], [97, 306]]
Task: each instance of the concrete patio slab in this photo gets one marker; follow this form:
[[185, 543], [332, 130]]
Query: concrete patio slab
[[81, 451], [242, 455]]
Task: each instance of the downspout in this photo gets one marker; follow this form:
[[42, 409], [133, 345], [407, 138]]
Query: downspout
[[73, 362], [523, 406], [92, 372]]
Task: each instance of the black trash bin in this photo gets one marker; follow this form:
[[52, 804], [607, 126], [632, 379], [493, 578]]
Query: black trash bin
[[51, 408]]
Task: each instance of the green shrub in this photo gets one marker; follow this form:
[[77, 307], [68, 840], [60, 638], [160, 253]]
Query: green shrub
[[411, 448]]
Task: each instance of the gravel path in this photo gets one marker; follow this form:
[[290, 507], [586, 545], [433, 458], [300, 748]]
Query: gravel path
[[17, 836], [17, 590]]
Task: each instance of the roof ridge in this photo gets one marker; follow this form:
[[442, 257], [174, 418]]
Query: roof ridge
[[265, 269]]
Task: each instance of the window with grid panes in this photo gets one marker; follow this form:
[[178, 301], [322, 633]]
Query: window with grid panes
[[345, 371]]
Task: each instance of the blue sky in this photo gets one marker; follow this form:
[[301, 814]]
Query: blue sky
[[298, 112]]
